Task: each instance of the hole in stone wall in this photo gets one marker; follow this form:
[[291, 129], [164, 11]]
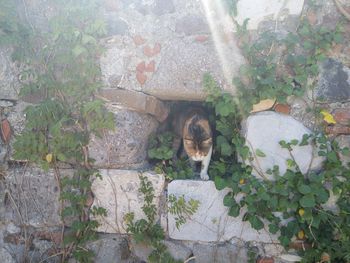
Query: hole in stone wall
[[166, 146]]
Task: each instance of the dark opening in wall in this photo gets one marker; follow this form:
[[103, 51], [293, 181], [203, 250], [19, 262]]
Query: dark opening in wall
[[187, 132]]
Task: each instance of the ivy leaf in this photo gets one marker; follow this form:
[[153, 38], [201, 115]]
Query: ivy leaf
[[228, 200], [307, 201], [260, 153], [327, 117], [220, 183], [256, 223], [273, 228], [234, 210], [304, 189]]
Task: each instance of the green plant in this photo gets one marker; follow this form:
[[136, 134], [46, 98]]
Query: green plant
[[294, 197], [150, 232], [161, 149], [59, 62]]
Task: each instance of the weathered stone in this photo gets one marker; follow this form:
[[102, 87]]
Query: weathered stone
[[31, 197], [127, 146], [192, 24], [211, 221], [177, 250], [5, 256], [110, 248], [334, 82], [290, 258], [118, 192], [116, 26], [180, 73], [137, 101], [141, 250], [223, 253], [263, 131], [344, 141], [162, 7], [9, 84], [266, 9]]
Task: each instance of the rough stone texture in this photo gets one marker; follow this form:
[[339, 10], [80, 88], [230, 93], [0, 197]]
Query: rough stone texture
[[31, 197], [211, 222], [168, 30], [126, 147], [177, 250], [265, 130], [258, 11], [344, 141], [137, 101], [118, 192], [5, 256], [334, 82], [219, 253], [111, 248], [9, 85]]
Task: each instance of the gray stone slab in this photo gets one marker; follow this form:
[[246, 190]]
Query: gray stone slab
[[31, 197], [118, 192], [263, 131], [126, 147], [334, 82], [211, 222]]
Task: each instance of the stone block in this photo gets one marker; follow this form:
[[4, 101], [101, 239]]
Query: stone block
[[31, 197], [258, 11], [344, 141], [126, 147], [221, 252], [9, 84], [334, 82], [118, 192], [211, 222], [137, 101], [263, 131]]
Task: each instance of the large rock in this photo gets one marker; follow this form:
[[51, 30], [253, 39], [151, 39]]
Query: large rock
[[334, 82], [170, 49], [9, 84], [5, 256], [126, 147], [264, 131], [118, 192], [211, 222], [220, 253], [258, 11], [111, 248], [31, 197]]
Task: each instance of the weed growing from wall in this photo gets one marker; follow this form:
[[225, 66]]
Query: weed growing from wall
[[148, 230], [59, 62]]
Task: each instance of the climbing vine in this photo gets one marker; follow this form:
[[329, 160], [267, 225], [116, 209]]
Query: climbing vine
[[58, 63], [293, 204]]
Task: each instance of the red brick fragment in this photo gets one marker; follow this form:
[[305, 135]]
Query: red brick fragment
[[342, 116], [141, 78], [156, 49], [5, 129], [151, 67], [337, 129], [300, 245], [139, 40], [265, 260], [312, 18], [141, 67], [282, 108]]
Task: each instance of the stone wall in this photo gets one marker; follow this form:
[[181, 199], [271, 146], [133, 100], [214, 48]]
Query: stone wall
[[158, 50]]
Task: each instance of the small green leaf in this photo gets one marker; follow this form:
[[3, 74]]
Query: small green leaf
[[307, 201], [260, 153], [220, 183], [304, 189]]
